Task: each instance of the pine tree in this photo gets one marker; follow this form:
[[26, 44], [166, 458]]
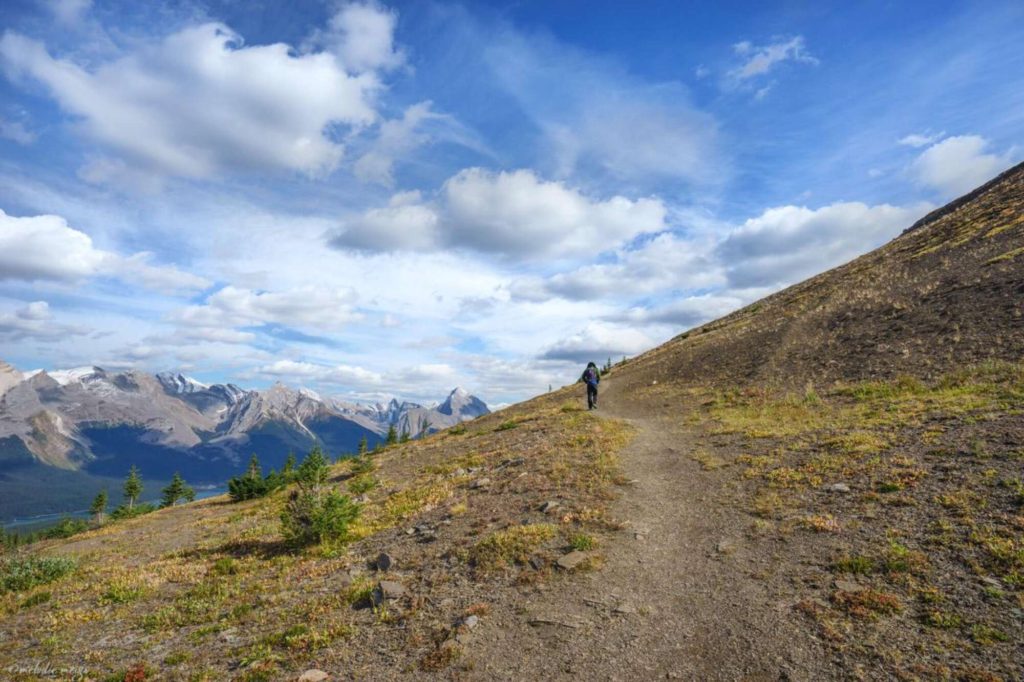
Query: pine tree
[[99, 506], [392, 435], [176, 490], [313, 471], [364, 446], [254, 470], [404, 438], [132, 486]]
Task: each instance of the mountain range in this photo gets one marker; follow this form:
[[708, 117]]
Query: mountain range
[[65, 434]]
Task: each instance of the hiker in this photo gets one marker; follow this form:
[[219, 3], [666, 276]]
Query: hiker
[[591, 377]]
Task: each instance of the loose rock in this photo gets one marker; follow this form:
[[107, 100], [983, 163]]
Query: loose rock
[[384, 562], [387, 590], [313, 675], [480, 483], [572, 560], [549, 506], [838, 488]]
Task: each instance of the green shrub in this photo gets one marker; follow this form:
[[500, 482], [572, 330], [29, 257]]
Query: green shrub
[[311, 518], [362, 484], [315, 512], [18, 574], [66, 528], [253, 484], [582, 542]]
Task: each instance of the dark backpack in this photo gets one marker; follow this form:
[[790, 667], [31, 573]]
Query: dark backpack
[[590, 376]]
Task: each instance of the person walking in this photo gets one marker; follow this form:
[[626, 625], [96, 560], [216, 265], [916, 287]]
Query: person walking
[[591, 377]]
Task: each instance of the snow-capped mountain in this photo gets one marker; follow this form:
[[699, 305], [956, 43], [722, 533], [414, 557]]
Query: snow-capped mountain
[[89, 422]]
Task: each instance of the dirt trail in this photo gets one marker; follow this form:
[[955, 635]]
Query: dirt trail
[[682, 594]]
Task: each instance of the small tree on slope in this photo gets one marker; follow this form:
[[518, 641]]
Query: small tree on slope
[[132, 487]]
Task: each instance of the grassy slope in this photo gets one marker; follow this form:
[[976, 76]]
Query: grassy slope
[[207, 591]]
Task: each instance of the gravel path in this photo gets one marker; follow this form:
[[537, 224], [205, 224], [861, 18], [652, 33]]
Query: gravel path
[[684, 593]]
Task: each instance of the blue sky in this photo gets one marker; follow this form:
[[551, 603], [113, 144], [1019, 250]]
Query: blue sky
[[379, 199]]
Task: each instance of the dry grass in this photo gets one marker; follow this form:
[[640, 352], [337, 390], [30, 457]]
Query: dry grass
[[212, 582]]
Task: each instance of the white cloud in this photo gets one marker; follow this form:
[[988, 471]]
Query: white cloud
[[517, 214], [404, 224], [344, 375], [919, 140], [361, 35], [758, 60], [199, 101], [138, 268], [45, 247], [663, 263], [35, 322], [956, 165], [788, 243], [511, 213], [309, 306], [597, 341]]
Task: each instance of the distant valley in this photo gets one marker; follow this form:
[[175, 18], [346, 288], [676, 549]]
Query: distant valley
[[66, 434]]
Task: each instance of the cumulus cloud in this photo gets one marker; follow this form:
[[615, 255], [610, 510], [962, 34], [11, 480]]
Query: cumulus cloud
[[405, 224], [303, 307], [45, 247], [789, 243], [665, 262], [361, 36], [513, 214], [758, 60], [200, 100], [35, 322], [599, 340], [958, 164]]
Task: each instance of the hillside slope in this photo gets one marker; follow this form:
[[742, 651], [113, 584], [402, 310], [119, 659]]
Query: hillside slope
[[824, 485], [947, 292]]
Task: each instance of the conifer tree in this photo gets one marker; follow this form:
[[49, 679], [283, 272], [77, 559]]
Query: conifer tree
[[289, 466], [132, 486], [176, 490], [364, 446], [254, 470], [392, 435], [404, 438], [99, 506]]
